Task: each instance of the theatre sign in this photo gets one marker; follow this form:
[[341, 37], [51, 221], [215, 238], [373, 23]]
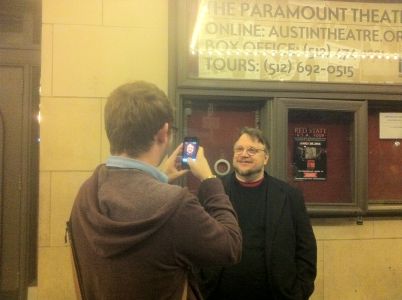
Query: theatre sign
[[320, 41]]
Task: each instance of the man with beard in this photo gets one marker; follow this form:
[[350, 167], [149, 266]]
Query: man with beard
[[279, 247]]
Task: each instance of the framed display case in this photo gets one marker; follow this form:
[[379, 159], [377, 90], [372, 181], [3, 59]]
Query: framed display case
[[384, 157], [324, 153]]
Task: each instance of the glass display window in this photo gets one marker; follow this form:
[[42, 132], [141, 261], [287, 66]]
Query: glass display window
[[319, 154], [243, 41], [384, 155], [324, 153], [217, 124]]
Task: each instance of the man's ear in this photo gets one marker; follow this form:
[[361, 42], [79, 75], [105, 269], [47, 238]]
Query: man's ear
[[162, 136], [266, 159]]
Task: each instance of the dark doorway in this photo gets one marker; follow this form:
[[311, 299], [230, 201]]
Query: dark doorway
[[20, 23]]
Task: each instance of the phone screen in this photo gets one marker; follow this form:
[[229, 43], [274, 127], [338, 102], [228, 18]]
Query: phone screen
[[190, 149]]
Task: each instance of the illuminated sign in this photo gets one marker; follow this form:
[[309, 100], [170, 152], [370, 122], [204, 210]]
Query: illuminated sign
[[320, 41]]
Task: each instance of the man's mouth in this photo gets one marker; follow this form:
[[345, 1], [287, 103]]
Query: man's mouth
[[244, 162]]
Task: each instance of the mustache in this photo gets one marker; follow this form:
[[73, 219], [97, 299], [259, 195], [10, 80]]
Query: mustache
[[244, 160]]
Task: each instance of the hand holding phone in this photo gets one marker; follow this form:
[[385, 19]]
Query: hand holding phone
[[190, 149], [199, 164], [171, 166]]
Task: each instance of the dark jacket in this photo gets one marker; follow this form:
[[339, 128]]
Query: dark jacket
[[290, 245], [138, 238]]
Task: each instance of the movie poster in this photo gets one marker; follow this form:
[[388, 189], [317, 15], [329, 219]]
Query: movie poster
[[310, 153]]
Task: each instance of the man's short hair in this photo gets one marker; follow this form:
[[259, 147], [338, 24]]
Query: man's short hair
[[134, 113], [255, 134]]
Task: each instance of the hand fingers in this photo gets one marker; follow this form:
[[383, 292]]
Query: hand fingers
[[190, 161], [178, 149], [200, 152]]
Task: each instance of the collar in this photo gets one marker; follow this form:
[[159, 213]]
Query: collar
[[250, 184], [130, 163]]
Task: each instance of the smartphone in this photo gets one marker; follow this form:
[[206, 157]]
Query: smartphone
[[190, 149]]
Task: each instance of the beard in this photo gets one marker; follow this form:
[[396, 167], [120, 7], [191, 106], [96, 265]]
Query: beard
[[249, 173]]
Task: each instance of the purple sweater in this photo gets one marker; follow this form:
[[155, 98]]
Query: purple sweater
[[138, 238]]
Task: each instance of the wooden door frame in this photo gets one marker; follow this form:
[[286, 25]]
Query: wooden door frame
[[28, 186]]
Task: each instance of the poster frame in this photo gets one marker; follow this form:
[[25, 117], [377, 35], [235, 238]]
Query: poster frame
[[358, 205]]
